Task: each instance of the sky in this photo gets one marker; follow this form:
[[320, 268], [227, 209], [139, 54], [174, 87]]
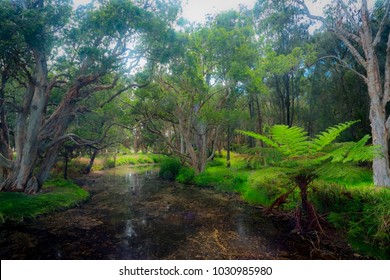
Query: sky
[[196, 10]]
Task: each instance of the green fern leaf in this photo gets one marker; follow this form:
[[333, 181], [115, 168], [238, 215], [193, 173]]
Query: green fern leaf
[[339, 170], [359, 152], [260, 137], [327, 137], [293, 141]]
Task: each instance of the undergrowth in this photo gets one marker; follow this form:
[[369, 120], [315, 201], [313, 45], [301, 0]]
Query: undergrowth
[[351, 204], [169, 168]]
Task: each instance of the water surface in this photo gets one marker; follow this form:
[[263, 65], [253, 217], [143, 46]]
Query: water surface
[[134, 215]]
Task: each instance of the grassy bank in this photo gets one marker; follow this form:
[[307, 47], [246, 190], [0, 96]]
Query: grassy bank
[[353, 205], [77, 166], [55, 195]]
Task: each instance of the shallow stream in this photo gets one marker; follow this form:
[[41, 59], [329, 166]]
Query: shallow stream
[[134, 215]]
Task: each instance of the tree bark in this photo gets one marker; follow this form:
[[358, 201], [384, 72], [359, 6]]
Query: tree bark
[[91, 161], [378, 82], [27, 135]]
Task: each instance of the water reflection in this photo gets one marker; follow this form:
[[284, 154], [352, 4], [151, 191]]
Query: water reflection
[[129, 230], [134, 215]]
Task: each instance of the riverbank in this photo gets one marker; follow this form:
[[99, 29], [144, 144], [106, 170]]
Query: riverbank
[[56, 195]]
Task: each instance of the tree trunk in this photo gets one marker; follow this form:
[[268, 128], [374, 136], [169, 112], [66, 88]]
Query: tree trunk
[[228, 147], [22, 178], [66, 158], [251, 104], [287, 99], [380, 137], [91, 161]]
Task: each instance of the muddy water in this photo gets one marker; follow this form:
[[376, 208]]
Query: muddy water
[[134, 215]]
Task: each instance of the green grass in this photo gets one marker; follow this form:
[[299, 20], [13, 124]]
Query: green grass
[[55, 195], [266, 185], [132, 159]]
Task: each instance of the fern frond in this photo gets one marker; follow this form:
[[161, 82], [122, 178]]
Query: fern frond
[[329, 135], [342, 171], [260, 137], [359, 152], [260, 156], [352, 152], [293, 141]]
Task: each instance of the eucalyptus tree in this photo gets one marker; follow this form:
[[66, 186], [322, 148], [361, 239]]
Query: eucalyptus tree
[[231, 42], [331, 93], [67, 56], [180, 105], [284, 30], [365, 32]]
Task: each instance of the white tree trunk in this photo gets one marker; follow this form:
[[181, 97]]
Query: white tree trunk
[[380, 137]]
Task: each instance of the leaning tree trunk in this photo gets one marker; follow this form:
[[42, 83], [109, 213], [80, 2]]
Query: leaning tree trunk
[[22, 179], [91, 161]]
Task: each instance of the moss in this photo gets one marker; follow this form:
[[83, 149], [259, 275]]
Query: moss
[[55, 195]]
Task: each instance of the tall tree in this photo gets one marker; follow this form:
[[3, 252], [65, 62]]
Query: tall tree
[[285, 30], [363, 30], [180, 105], [81, 52]]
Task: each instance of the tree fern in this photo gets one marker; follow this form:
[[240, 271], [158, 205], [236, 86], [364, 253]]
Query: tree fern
[[308, 159]]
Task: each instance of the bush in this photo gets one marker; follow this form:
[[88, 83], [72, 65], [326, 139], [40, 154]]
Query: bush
[[216, 162], [266, 185], [222, 178], [186, 175], [169, 168], [363, 212]]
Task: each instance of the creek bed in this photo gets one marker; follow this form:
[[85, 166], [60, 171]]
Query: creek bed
[[132, 214]]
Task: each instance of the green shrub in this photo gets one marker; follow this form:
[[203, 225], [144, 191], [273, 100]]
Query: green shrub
[[169, 168], [223, 179], [186, 175], [216, 162], [266, 185], [109, 163], [363, 212]]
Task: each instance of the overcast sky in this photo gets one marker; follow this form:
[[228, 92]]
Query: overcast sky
[[196, 10]]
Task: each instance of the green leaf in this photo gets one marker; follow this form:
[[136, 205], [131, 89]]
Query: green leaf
[[292, 141], [327, 137], [260, 137]]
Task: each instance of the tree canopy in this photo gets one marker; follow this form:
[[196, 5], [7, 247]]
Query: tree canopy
[[134, 73]]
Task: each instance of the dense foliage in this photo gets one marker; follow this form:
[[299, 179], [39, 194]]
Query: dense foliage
[[96, 84]]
